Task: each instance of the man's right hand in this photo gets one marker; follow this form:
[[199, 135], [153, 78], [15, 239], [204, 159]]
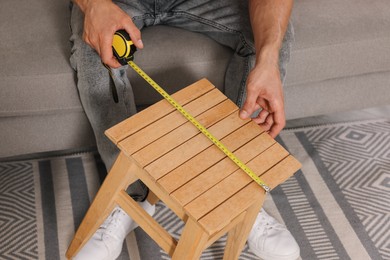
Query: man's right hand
[[102, 19]]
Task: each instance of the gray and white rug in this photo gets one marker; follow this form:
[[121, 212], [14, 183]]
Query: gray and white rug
[[337, 206]]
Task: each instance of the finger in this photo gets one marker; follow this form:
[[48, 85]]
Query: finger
[[135, 34], [261, 117], [268, 123], [112, 62], [257, 107], [263, 103], [278, 124], [249, 106], [106, 54]]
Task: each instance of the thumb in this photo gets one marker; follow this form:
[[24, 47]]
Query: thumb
[[249, 106]]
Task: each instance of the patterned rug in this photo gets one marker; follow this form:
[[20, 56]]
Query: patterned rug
[[337, 206]]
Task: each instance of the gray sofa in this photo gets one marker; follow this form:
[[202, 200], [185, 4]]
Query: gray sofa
[[340, 61]]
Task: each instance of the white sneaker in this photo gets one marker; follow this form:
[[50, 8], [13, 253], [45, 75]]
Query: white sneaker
[[270, 240], [106, 243]]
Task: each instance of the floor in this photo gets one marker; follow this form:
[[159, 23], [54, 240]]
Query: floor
[[365, 114]]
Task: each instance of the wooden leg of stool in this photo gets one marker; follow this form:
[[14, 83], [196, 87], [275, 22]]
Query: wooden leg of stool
[[192, 242], [103, 203], [152, 198], [238, 235]]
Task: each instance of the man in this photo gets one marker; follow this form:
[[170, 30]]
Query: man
[[254, 29]]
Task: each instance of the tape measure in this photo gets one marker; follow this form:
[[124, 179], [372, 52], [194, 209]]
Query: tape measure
[[124, 50]]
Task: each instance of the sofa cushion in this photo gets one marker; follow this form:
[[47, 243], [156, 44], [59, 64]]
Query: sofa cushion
[[340, 58], [40, 108], [35, 76], [38, 79], [336, 39]]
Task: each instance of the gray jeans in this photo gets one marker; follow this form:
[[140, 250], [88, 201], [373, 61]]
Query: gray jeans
[[225, 21]]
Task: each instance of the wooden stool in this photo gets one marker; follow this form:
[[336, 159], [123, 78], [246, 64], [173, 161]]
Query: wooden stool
[[189, 174]]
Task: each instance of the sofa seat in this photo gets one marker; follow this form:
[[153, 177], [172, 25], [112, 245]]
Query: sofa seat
[[341, 57]]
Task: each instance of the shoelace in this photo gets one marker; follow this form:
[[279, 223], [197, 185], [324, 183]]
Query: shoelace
[[267, 223], [111, 224]]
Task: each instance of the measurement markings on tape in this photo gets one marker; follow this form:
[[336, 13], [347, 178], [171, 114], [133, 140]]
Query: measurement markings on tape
[[198, 125]]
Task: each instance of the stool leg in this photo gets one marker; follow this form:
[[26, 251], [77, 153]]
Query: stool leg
[[238, 235], [192, 242], [103, 203]]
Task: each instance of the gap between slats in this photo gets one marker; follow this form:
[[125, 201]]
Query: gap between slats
[[172, 140], [189, 149], [222, 170], [170, 122], [208, 157], [229, 209], [236, 181], [158, 110]]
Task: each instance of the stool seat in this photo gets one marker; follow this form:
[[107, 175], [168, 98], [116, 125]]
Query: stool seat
[[196, 180]]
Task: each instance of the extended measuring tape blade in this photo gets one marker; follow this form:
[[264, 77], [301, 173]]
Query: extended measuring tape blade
[[198, 125]]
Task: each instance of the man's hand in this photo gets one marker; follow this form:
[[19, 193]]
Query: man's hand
[[264, 90], [102, 19], [269, 20]]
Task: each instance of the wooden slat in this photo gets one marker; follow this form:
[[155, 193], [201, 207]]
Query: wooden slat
[[183, 133], [234, 182], [221, 170], [173, 120], [281, 172], [152, 198], [189, 149], [223, 214], [207, 158], [156, 111]]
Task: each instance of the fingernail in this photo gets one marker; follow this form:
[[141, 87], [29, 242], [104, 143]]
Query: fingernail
[[140, 43], [243, 114]]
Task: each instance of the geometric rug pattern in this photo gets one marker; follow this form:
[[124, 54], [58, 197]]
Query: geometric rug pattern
[[336, 206], [346, 214], [355, 163], [18, 238], [42, 201]]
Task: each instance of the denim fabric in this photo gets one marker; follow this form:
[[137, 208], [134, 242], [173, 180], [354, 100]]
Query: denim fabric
[[225, 21]]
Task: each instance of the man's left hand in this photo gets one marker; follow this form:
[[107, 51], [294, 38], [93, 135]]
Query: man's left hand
[[265, 92]]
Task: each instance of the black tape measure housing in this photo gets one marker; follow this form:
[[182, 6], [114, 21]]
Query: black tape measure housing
[[122, 47]]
